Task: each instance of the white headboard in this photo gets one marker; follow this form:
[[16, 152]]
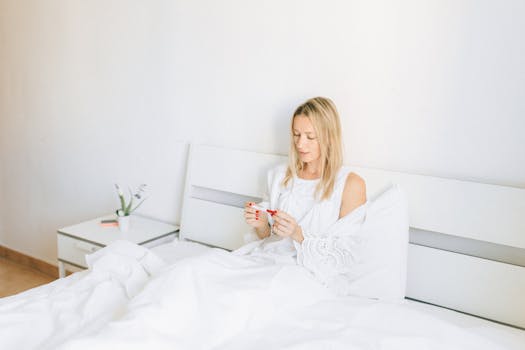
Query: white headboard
[[467, 240]]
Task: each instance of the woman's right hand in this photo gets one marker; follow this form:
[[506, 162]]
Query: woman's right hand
[[258, 219]]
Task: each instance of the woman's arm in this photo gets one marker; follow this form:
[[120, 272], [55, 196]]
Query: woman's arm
[[263, 232], [354, 194]]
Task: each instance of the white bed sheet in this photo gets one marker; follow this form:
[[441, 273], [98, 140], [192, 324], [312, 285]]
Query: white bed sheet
[[506, 336], [79, 307]]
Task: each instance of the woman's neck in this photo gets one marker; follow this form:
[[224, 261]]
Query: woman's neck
[[310, 172]]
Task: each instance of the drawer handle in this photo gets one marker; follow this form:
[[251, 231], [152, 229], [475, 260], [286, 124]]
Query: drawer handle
[[86, 247]]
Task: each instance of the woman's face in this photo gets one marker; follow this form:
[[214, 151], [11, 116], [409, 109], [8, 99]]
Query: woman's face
[[305, 139]]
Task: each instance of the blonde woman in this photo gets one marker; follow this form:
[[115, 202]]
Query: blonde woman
[[313, 191], [303, 254]]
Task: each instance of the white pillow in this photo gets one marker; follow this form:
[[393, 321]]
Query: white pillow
[[382, 267]]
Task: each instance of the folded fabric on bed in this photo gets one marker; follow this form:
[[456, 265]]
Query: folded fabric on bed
[[44, 317], [126, 262], [365, 252]]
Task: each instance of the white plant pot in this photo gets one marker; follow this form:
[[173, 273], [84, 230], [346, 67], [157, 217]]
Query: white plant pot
[[123, 223]]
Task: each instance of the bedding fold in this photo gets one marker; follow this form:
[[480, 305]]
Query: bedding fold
[[43, 317], [223, 301]]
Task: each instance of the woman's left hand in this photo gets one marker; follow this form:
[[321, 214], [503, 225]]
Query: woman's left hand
[[285, 225]]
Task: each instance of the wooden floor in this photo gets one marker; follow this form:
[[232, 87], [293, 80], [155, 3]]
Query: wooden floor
[[15, 278]]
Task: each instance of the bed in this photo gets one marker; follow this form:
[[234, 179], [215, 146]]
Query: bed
[[465, 277]]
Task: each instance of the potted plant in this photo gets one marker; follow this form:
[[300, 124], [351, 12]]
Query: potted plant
[[126, 207]]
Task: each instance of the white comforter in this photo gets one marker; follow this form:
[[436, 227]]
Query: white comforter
[[215, 301], [44, 317]]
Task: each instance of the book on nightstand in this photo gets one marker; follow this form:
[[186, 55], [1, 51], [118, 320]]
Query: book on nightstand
[[108, 223]]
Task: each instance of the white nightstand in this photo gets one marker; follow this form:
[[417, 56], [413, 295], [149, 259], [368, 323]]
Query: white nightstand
[[74, 242]]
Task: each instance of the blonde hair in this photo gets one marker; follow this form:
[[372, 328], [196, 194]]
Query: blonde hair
[[324, 117]]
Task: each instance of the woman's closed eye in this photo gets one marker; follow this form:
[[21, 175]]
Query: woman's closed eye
[[309, 137]]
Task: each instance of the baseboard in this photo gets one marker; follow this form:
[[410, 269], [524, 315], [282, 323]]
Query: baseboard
[[29, 261]]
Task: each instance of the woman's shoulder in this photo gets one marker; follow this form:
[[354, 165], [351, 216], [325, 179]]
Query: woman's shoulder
[[355, 186], [354, 193], [350, 176], [347, 180], [354, 178], [354, 182]]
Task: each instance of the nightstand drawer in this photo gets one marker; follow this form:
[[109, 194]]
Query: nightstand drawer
[[74, 251]]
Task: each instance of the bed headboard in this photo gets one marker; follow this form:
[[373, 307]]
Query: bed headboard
[[467, 240]]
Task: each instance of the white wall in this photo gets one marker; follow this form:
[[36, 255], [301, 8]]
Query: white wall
[[94, 92]]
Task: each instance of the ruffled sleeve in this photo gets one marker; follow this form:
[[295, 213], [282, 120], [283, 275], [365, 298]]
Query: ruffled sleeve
[[331, 255]]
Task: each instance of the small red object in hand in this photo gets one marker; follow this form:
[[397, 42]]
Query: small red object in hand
[[258, 207]]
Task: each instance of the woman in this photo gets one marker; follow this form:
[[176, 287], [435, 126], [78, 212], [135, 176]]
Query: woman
[[216, 299], [313, 191]]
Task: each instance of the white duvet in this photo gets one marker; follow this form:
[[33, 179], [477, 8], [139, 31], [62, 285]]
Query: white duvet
[[44, 317], [131, 300]]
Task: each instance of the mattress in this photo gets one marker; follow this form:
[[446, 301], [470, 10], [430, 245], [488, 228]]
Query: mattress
[[506, 336]]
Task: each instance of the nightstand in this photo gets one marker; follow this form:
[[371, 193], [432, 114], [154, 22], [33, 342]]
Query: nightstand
[[75, 242]]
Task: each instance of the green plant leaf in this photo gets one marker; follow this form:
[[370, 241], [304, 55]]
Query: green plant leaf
[[122, 203], [128, 210]]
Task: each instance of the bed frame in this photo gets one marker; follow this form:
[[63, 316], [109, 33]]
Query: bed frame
[[467, 240]]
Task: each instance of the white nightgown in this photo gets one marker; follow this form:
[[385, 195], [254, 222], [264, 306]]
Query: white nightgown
[[319, 249]]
